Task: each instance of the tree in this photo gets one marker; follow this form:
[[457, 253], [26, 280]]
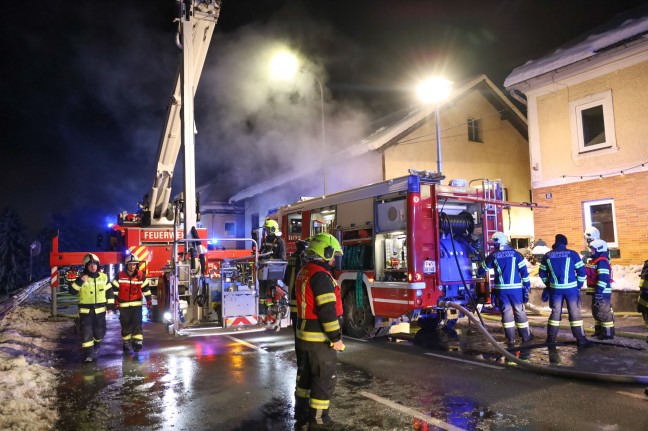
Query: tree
[[14, 252]]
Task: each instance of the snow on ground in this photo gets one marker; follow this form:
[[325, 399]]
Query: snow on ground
[[28, 379]]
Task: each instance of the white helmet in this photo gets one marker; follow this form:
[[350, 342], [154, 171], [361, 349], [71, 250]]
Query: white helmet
[[599, 245], [90, 258], [591, 233], [499, 238]]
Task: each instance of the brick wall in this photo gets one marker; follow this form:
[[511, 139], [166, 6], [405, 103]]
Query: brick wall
[[565, 215]]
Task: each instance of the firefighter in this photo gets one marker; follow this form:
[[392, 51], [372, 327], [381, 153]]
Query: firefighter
[[563, 272], [511, 287], [132, 288], [273, 247], [95, 298], [642, 299], [319, 333], [599, 277]]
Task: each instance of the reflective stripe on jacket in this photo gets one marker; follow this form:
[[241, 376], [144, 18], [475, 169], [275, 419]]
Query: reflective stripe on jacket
[[318, 304], [131, 288], [95, 290], [509, 267], [562, 269]]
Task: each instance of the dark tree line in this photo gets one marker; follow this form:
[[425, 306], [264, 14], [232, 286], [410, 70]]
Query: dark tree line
[[14, 252]]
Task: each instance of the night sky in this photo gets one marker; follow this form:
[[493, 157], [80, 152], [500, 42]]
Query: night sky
[[85, 86]]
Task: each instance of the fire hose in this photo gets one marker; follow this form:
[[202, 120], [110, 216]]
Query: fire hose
[[547, 370]]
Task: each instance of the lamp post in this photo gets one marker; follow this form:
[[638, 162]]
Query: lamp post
[[435, 90], [284, 66]]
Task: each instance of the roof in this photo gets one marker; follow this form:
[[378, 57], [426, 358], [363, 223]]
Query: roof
[[625, 28], [389, 130]]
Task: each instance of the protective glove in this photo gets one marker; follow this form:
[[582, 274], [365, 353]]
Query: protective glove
[[545, 295], [149, 304], [525, 296], [116, 307]]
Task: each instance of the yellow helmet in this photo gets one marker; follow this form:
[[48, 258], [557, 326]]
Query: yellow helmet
[[90, 258], [325, 246], [271, 226]]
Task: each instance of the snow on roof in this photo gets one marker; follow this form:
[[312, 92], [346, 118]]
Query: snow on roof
[[572, 53]]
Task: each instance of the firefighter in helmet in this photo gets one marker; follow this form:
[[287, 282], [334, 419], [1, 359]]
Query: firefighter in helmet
[[95, 298], [591, 234], [132, 288], [272, 247], [599, 277], [319, 333], [563, 272], [511, 287]]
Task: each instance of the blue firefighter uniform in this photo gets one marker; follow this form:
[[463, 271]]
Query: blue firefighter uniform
[[563, 271], [642, 299], [599, 277], [511, 290]]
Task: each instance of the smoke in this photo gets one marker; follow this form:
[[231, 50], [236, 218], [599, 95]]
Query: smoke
[[253, 127]]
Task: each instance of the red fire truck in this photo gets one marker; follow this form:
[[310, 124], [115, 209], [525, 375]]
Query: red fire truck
[[409, 244]]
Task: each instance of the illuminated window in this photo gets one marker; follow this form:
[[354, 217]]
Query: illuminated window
[[601, 215], [592, 125]]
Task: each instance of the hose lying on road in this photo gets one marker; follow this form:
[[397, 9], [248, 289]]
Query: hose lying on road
[[582, 375]]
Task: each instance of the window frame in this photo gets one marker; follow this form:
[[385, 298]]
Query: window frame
[[233, 230], [587, 217], [475, 130], [576, 108]]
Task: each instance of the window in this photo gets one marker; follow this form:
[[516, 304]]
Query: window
[[600, 214], [592, 125], [474, 130], [230, 228]]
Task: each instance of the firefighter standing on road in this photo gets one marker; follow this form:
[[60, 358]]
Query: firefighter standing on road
[[599, 277], [563, 272], [273, 247], [95, 298], [511, 287], [319, 334], [131, 287]]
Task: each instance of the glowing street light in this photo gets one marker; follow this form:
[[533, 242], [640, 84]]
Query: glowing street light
[[284, 66], [435, 90]]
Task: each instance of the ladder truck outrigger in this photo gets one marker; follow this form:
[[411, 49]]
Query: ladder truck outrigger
[[190, 283], [411, 244]]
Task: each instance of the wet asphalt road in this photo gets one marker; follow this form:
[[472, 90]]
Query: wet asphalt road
[[246, 382]]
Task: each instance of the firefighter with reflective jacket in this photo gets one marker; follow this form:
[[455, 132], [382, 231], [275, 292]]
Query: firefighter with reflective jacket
[[563, 272], [273, 247], [599, 278], [511, 287], [295, 263], [319, 333], [132, 288], [95, 298]]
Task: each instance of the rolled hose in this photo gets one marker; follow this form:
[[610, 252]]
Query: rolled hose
[[582, 375]]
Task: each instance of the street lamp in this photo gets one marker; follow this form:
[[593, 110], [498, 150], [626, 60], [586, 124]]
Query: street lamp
[[435, 90], [284, 66]]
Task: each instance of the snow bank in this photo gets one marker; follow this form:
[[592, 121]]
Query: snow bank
[[626, 278], [28, 379]]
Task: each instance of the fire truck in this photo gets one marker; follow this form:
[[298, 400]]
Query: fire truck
[[186, 278], [410, 243]]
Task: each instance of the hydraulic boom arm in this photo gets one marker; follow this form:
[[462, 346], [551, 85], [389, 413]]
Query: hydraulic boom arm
[[199, 18]]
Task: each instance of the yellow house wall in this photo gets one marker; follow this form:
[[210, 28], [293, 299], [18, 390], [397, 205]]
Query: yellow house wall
[[630, 104], [503, 154]]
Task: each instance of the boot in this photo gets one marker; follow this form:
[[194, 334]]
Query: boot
[[95, 353], [137, 346], [528, 339], [126, 346], [583, 342]]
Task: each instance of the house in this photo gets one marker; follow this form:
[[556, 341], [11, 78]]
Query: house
[[483, 135], [587, 108]]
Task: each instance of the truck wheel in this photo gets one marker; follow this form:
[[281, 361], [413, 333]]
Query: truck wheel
[[358, 321]]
